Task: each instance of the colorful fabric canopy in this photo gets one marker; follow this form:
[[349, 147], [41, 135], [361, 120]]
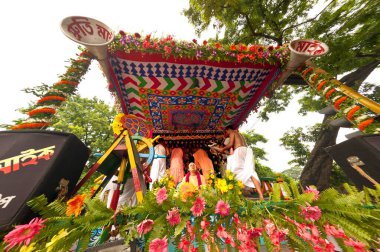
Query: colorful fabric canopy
[[180, 95]]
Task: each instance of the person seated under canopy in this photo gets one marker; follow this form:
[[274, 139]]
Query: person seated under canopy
[[194, 177]]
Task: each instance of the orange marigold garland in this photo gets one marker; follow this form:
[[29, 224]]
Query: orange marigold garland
[[320, 85], [339, 101], [352, 111], [66, 82], [36, 125], [365, 124], [306, 71], [41, 110], [329, 93], [51, 98]]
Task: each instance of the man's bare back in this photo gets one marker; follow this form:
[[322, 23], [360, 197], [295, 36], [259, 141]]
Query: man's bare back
[[236, 139]]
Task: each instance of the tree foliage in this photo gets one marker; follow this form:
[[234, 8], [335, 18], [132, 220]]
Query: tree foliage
[[348, 27], [90, 120], [252, 140], [250, 21]]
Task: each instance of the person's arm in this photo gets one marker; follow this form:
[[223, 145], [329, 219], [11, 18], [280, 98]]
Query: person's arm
[[258, 187], [230, 143]]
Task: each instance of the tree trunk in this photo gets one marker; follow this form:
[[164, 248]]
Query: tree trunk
[[318, 168]]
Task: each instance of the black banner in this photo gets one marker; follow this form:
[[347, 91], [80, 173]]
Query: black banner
[[33, 163]]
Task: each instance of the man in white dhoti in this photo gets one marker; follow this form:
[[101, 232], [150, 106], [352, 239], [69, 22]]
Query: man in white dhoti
[[241, 162], [158, 168]]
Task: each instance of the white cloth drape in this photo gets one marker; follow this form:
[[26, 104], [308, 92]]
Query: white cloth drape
[[241, 164]]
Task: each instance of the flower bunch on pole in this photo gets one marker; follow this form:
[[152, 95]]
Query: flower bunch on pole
[[332, 91], [41, 114]]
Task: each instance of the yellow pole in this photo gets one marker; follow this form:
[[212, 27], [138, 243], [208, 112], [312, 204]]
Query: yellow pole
[[366, 102]]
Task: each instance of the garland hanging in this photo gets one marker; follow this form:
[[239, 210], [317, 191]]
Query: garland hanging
[[42, 113], [328, 87]]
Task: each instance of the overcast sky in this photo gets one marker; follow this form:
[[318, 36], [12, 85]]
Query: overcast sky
[[35, 51]]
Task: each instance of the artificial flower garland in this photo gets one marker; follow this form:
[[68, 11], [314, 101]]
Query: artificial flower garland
[[41, 114], [207, 51], [214, 218], [328, 88]]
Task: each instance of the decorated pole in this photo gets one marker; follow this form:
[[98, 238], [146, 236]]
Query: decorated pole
[[301, 50], [41, 114], [361, 111], [92, 34]]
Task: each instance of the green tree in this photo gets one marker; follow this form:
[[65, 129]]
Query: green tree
[[349, 27], [299, 144], [252, 140], [90, 120]]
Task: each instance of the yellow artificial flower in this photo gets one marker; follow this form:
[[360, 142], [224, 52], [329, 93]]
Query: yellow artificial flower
[[61, 234], [231, 177], [228, 173], [212, 176], [29, 248], [230, 186], [240, 184], [171, 185], [186, 190], [221, 184]]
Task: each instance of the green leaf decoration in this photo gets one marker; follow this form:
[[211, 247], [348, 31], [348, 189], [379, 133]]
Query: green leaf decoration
[[179, 228]]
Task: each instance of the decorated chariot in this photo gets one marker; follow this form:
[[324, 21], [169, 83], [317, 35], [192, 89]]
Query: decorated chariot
[[187, 93]]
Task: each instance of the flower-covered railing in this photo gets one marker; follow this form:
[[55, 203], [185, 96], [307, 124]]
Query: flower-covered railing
[[333, 91], [40, 115], [217, 216]]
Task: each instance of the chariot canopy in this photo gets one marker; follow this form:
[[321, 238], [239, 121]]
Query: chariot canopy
[[183, 88]]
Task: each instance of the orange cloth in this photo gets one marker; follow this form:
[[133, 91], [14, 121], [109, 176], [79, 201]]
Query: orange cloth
[[202, 161], [176, 165]]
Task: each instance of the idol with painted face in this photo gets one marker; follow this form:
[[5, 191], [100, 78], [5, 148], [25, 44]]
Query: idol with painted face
[[194, 177]]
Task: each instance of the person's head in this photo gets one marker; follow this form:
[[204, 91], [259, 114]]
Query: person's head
[[161, 140], [228, 130], [192, 167]]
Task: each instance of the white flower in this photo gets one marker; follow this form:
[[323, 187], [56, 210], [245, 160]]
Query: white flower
[[361, 118]]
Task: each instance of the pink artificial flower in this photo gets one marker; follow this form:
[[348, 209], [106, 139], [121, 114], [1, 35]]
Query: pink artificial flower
[[190, 230], [312, 190], [221, 233], [278, 236], [161, 195], [337, 233], [312, 213], [167, 49], [236, 219], [222, 208], [145, 226], [173, 217], [184, 244], [159, 245], [204, 223], [230, 240], [269, 226], [254, 232], [303, 232], [357, 245], [23, 233], [205, 234], [198, 207]]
